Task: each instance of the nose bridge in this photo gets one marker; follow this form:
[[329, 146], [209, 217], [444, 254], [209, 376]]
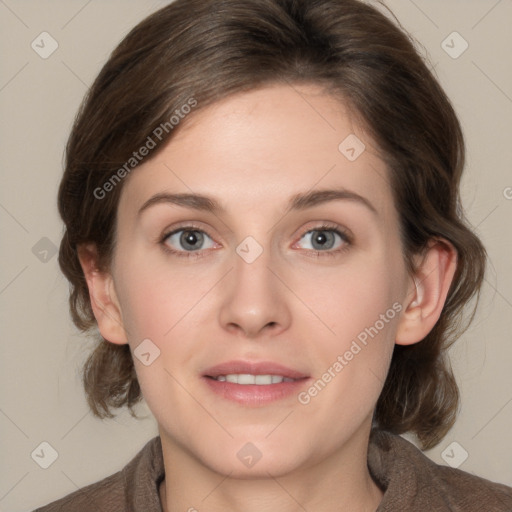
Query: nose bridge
[[255, 297], [251, 265]]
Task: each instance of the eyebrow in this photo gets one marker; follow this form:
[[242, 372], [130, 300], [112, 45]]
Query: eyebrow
[[297, 202]]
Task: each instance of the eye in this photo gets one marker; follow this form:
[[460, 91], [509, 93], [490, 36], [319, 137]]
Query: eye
[[185, 240], [326, 239]]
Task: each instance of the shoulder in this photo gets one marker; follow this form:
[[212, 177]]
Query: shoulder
[[135, 484], [414, 482]]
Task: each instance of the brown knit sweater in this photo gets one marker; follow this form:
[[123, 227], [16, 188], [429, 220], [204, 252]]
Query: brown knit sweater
[[409, 479]]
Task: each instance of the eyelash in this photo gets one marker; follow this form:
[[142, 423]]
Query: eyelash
[[346, 238]]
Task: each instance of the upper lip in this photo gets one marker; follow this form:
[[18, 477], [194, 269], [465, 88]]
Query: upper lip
[[253, 368]]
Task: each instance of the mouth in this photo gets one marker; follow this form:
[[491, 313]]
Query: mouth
[[254, 384], [246, 379]]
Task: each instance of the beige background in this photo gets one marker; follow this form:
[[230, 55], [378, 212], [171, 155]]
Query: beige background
[[41, 395]]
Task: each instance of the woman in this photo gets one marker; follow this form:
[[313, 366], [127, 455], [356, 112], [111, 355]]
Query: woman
[[262, 213]]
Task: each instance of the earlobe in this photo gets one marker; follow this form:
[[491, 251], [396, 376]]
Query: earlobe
[[427, 293], [102, 295]]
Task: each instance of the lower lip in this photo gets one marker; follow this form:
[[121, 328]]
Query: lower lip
[[254, 394]]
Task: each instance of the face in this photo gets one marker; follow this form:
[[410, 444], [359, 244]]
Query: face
[[277, 279]]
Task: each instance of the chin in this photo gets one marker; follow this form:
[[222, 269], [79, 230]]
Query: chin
[[249, 457], [267, 466]]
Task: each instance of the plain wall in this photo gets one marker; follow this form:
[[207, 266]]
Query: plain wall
[[41, 394]]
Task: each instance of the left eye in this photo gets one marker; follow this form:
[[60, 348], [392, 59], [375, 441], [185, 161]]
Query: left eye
[[189, 239], [324, 239]]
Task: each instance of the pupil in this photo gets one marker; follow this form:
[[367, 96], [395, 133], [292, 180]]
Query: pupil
[[321, 238]]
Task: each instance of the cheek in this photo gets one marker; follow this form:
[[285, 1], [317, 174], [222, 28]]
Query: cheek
[[155, 298], [357, 312], [345, 301]]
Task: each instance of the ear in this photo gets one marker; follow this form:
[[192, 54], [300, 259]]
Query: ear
[[104, 302], [428, 290]]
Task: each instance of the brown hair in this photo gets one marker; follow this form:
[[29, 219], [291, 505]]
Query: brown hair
[[209, 49]]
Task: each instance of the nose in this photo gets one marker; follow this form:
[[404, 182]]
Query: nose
[[254, 300]]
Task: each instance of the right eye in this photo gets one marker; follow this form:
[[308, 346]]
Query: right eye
[[187, 239]]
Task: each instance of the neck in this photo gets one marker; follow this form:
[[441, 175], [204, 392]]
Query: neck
[[340, 482]]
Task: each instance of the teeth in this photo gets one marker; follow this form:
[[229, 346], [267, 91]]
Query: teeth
[[267, 379], [246, 378]]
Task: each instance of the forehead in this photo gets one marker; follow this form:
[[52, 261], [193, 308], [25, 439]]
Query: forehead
[[261, 147]]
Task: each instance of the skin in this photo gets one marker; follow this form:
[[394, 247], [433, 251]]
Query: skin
[[252, 152]]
